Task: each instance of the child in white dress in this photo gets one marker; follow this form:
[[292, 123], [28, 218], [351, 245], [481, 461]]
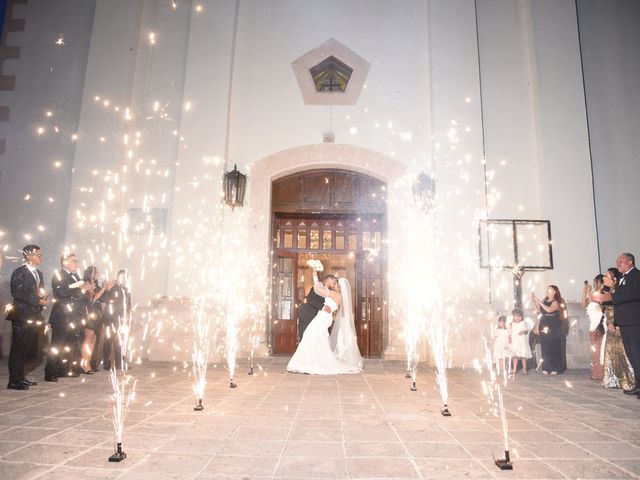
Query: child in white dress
[[501, 347], [520, 350]]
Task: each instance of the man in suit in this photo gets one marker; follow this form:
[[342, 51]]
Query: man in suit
[[29, 299], [313, 304], [626, 302], [65, 319], [116, 308]]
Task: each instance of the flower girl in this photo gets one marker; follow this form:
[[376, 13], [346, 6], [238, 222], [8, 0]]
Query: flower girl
[[520, 329]]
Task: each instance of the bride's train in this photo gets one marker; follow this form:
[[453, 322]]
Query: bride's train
[[344, 340]]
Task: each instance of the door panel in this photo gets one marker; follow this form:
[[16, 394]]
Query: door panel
[[284, 308], [370, 311]]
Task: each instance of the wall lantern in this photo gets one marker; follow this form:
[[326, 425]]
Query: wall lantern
[[424, 191], [234, 187]]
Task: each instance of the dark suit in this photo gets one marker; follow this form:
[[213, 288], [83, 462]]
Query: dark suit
[[626, 302], [24, 316], [308, 310], [116, 306], [65, 324]]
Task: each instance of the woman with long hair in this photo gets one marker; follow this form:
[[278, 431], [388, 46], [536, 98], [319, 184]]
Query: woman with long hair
[[92, 316], [551, 330], [618, 372], [596, 324]]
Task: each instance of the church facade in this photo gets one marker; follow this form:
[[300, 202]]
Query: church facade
[[123, 117]]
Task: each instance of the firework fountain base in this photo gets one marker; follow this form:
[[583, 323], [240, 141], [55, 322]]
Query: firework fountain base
[[231, 384], [413, 387], [504, 463], [250, 370], [199, 407], [119, 455], [408, 374], [445, 411]]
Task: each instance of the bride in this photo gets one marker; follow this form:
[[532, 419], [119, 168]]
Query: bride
[[315, 354]]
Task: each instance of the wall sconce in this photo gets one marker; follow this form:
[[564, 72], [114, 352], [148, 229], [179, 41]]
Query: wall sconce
[[234, 187], [424, 191]]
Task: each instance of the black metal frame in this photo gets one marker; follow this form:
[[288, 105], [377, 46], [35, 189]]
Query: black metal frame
[[517, 269]]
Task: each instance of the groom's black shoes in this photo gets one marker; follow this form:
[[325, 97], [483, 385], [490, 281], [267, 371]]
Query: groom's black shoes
[[633, 391]]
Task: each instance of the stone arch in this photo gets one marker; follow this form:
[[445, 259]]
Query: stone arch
[[292, 161], [324, 155]]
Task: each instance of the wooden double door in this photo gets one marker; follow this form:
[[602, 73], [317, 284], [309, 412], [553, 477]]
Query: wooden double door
[[349, 246]]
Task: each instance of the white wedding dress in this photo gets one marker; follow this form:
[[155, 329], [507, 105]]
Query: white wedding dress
[[314, 354]]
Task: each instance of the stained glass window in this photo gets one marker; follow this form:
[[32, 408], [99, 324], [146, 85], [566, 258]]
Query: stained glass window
[[331, 75], [315, 237]]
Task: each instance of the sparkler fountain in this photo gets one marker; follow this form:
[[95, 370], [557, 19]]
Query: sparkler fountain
[[254, 339], [200, 354], [494, 395], [123, 384], [411, 338], [231, 292], [438, 334], [231, 344], [424, 312]]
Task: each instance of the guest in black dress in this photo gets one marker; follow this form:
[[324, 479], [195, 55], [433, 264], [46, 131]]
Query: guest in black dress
[[116, 311], [91, 312], [551, 329]]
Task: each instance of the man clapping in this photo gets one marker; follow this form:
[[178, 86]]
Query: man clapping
[[67, 288]]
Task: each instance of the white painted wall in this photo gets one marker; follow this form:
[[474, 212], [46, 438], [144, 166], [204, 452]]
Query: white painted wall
[[563, 151], [610, 40], [268, 113], [49, 77]]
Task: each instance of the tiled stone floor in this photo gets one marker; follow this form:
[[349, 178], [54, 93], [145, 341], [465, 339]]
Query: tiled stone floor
[[280, 425]]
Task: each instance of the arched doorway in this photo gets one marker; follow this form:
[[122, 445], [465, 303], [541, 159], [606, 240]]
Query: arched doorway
[[338, 217]]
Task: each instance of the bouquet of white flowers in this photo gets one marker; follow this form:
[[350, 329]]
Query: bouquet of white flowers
[[316, 265]]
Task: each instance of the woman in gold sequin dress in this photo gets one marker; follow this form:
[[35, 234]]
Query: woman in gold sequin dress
[[595, 313], [617, 369]]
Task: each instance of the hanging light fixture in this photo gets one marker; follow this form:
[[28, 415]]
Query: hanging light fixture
[[424, 191], [234, 187]]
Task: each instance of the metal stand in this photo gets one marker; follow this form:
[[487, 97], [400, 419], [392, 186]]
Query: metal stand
[[119, 455], [413, 387], [514, 265], [504, 463], [445, 411], [199, 407]]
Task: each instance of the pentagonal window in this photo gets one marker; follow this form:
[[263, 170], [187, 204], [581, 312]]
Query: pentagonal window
[[331, 75]]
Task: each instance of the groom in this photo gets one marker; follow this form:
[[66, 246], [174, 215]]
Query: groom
[[313, 304], [626, 302]]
